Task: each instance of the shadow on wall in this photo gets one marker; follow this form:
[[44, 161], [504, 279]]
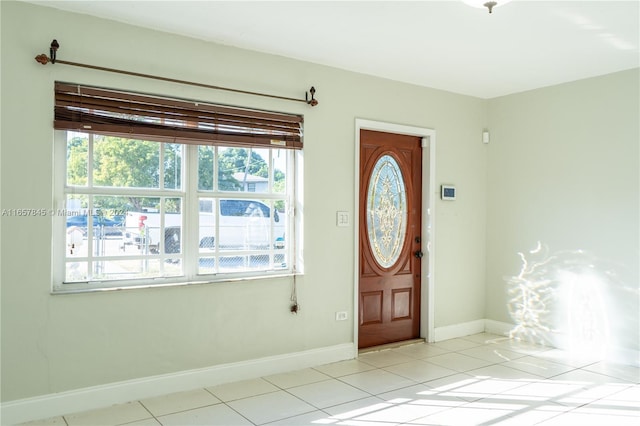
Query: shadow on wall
[[574, 301]]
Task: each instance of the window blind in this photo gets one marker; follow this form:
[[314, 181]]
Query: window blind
[[127, 114]]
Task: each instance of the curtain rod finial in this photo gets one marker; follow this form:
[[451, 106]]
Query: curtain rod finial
[[53, 49], [42, 59], [313, 102]]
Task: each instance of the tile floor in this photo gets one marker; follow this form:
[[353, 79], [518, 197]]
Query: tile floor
[[476, 380]]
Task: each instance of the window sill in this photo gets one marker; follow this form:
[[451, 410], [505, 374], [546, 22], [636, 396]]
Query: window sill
[[57, 291]]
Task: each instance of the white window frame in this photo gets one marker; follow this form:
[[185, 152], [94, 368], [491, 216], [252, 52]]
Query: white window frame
[[190, 248]]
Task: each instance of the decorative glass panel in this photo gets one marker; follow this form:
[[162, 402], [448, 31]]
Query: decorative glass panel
[[386, 211]]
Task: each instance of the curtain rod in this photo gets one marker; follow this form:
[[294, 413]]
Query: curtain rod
[[44, 59]]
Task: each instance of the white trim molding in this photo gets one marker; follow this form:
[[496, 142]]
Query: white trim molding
[[95, 397], [427, 302]]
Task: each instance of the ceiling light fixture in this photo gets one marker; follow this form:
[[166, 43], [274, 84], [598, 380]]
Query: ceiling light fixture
[[484, 3]]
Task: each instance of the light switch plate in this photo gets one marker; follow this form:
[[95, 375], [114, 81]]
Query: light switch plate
[[343, 219]]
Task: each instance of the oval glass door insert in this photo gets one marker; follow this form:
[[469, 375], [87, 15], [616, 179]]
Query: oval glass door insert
[[386, 211]]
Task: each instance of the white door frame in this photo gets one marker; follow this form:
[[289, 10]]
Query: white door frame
[[428, 221]]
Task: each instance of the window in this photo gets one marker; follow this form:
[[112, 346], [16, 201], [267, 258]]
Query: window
[[134, 209]]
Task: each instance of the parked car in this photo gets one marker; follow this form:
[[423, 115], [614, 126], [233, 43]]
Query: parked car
[[101, 225], [244, 224]]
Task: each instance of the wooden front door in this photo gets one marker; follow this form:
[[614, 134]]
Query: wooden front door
[[390, 238]]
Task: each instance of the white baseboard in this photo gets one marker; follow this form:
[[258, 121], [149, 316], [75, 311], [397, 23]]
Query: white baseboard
[[459, 330], [95, 397], [497, 327], [472, 327]]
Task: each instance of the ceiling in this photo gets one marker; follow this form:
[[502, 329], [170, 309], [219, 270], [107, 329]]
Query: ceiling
[[446, 45]]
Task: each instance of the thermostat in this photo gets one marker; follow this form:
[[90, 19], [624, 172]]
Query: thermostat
[[448, 192]]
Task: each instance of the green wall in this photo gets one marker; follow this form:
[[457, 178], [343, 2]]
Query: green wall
[[64, 342], [563, 174]]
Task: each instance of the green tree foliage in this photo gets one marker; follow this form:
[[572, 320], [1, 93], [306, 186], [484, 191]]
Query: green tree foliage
[[125, 163], [77, 151], [238, 160], [172, 165], [247, 161], [133, 163], [226, 181], [128, 163]]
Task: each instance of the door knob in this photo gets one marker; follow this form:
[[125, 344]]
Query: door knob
[[418, 254]]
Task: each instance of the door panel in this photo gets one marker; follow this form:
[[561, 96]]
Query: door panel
[[371, 303], [401, 302], [390, 231]]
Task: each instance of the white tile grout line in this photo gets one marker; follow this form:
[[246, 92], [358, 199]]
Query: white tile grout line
[[339, 379]]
